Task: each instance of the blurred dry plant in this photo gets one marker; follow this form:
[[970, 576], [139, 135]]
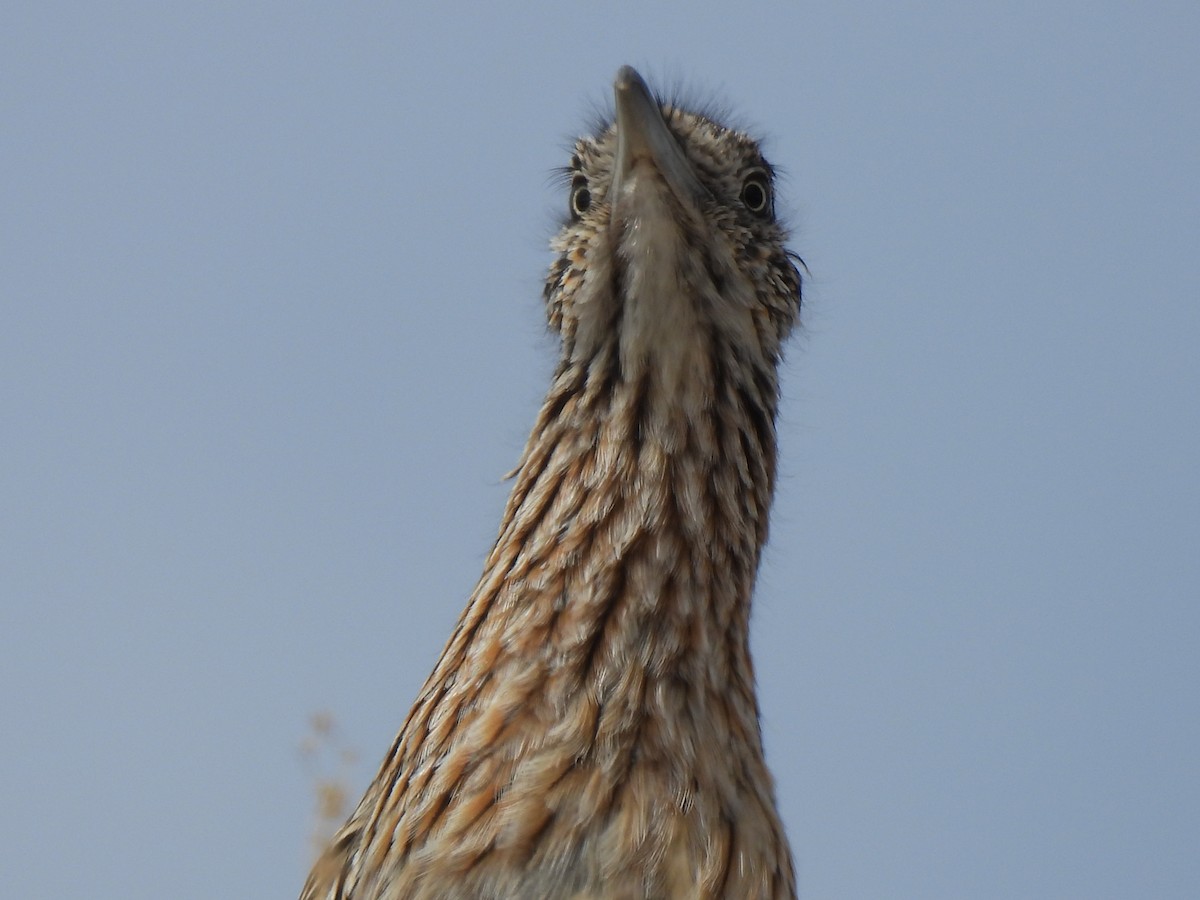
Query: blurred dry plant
[[328, 763]]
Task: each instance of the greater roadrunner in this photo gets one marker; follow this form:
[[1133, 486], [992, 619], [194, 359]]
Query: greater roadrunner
[[591, 729]]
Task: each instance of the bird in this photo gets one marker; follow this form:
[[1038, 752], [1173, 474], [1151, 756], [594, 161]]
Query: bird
[[592, 729]]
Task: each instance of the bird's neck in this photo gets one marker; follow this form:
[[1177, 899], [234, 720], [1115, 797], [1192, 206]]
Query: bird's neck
[[632, 536]]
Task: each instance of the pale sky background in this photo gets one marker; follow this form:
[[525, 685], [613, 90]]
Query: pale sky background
[[271, 333]]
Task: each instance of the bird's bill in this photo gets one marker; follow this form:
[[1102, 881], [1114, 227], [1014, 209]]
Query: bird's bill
[[643, 138]]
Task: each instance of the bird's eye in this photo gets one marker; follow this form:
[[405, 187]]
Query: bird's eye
[[756, 192], [581, 197]]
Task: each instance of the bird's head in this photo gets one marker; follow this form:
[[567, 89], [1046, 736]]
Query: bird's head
[[672, 253]]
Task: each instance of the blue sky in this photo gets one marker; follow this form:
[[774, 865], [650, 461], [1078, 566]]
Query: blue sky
[[271, 333]]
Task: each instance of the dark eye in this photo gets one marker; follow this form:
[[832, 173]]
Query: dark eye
[[581, 197], [756, 192]]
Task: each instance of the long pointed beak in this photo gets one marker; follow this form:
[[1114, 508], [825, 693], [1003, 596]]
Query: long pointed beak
[[643, 137]]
